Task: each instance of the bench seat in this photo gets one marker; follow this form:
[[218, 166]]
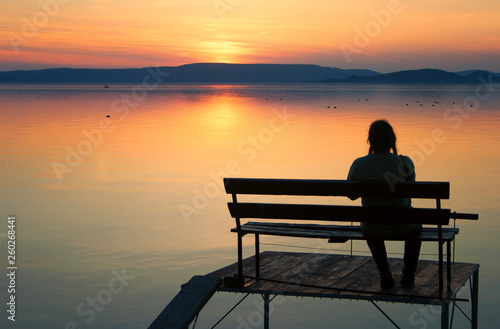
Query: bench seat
[[335, 233]]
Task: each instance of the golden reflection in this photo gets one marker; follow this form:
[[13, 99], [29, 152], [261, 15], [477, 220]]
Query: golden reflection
[[221, 114]]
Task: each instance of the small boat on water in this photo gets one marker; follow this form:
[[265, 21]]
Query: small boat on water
[[106, 86]]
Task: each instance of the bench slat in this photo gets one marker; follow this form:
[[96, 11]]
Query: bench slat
[[314, 187], [340, 213], [335, 233]]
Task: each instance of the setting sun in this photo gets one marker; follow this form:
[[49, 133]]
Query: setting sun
[[222, 51]]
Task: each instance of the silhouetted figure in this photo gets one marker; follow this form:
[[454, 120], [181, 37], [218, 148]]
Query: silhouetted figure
[[382, 165]]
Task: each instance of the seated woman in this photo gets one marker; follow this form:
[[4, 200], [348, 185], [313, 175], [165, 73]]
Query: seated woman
[[382, 165]]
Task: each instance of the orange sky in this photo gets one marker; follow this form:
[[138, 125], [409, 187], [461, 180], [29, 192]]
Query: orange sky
[[384, 35]]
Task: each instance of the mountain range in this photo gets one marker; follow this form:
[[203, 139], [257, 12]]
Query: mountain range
[[242, 73], [421, 76]]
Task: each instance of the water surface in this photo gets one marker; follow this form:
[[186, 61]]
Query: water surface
[[139, 193]]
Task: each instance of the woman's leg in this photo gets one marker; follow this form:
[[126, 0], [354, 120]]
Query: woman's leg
[[377, 247], [412, 252]]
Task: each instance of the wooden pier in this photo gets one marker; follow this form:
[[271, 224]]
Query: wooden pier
[[339, 276], [327, 276]]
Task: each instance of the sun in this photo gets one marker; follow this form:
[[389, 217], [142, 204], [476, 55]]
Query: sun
[[222, 51]]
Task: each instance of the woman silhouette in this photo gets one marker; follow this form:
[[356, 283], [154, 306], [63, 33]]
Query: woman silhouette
[[382, 165]]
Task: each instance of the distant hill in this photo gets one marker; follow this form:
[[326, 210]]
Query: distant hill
[[468, 72], [64, 75], [419, 76], [243, 73], [212, 72], [201, 72]]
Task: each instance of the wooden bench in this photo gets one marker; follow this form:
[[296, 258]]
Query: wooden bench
[[437, 217]]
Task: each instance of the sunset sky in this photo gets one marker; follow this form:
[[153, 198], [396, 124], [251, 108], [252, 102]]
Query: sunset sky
[[385, 36]]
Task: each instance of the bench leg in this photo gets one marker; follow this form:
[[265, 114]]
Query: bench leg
[[441, 270], [241, 280], [257, 256], [448, 265]]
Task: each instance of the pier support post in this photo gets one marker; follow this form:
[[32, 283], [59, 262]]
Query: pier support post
[[445, 315], [266, 310], [475, 298]]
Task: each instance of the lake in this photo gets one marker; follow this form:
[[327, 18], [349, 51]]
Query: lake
[[118, 199]]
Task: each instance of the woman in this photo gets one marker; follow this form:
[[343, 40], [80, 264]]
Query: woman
[[382, 165]]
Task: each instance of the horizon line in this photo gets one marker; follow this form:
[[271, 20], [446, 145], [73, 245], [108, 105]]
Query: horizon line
[[225, 63]]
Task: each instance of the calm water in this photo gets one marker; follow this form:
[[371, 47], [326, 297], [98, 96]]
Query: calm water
[[115, 213]]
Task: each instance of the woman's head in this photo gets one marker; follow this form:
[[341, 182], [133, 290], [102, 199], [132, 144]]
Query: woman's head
[[381, 137]]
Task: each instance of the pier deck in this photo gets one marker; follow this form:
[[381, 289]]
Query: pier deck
[[323, 276], [341, 276], [353, 278]]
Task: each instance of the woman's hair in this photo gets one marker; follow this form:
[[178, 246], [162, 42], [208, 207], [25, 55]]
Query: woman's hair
[[381, 137]]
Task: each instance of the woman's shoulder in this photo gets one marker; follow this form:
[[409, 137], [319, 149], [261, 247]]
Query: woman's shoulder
[[375, 157], [382, 158], [408, 160], [362, 160]]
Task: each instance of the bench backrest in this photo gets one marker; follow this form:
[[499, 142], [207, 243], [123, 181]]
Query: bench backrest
[[317, 187], [421, 190]]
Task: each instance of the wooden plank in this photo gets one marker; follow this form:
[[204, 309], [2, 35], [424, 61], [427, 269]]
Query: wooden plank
[[286, 232], [425, 271], [301, 273], [277, 270], [343, 276], [335, 233], [335, 237], [340, 213], [291, 273], [248, 264], [329, 274], [346, 228], [365, 270], [300, 226], [430, 287], [182, 310], [427, 235], [367, 278], [430, 190], [327, 268], [271, 266]]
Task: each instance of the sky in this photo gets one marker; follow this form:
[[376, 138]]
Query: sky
[[381, 35]]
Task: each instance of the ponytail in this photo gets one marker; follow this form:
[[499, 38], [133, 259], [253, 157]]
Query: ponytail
[[394, 149]]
